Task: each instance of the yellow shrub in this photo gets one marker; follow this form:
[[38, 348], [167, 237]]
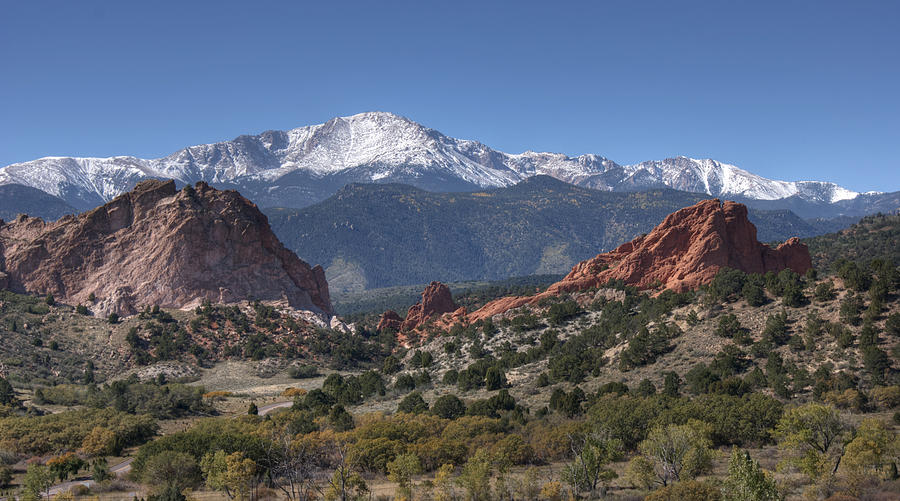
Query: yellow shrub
[[551, 491], [842, 400], [68, 495], [689, 490], [292, 392], [99, 442], [216, 395], [886, 397]]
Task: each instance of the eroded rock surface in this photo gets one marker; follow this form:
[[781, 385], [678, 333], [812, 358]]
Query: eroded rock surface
[[158, 246]]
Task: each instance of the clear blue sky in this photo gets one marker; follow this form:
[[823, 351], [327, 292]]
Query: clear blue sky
[[791, 90]]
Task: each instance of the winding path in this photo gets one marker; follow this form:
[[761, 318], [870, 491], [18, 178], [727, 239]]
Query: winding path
[[271, 407]]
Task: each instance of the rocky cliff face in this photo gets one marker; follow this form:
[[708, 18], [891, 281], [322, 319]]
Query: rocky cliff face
[[686, 250], [436, 300], [683, 252], [156, 245]]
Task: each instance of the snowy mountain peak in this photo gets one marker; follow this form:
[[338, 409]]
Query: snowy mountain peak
[[303, 165], [725, 180]]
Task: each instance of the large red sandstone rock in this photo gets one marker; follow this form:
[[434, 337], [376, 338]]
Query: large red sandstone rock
[[436, 300], [156, 245], [684, 251]]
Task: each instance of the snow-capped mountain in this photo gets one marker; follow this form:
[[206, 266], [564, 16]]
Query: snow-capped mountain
[[720, 179], [299, 167]]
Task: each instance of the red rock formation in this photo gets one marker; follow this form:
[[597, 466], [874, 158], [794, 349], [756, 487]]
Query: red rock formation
[[684, 251], [156, 245], [448, 320], [390, 320], [436, 300]]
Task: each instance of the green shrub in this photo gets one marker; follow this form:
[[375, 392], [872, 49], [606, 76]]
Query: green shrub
[[448, 407], [727, 284], [560, 312], [825, 292], [303, 371], [413, 404], [37, 435]]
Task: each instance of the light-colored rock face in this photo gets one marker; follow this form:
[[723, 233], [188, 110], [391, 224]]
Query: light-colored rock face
[[683, 252], [155, 245]]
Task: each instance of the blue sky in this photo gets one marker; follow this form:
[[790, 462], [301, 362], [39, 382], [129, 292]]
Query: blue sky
[[791, 90]]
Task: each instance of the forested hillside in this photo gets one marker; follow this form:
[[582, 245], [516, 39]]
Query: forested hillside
[[373, 236], [16, 199], [874, 237]]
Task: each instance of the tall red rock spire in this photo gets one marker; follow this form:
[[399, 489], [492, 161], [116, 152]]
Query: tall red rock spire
[[436, 300]]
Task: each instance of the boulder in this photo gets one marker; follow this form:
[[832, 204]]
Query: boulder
[[390, 320]]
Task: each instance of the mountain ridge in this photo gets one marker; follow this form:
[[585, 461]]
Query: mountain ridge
[[18, 199], [301, 166], [372, 236]]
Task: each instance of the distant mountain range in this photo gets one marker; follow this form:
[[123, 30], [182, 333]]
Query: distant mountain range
[[306, 165], [380, 235]]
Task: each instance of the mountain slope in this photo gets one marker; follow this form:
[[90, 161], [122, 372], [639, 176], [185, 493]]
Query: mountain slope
[[873, 237], [686, 250], [16, 199], [371, 236], [865, 203], [302, 166]]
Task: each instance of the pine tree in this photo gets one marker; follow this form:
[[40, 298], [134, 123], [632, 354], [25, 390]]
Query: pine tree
[[747, 481]]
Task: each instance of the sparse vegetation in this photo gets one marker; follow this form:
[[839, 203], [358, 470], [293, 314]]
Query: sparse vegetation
[[624, 393]]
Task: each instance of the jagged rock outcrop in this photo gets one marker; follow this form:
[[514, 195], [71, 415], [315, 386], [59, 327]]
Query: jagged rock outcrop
[[683, 252], [686, 250], [156, 245], [436, 300]]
